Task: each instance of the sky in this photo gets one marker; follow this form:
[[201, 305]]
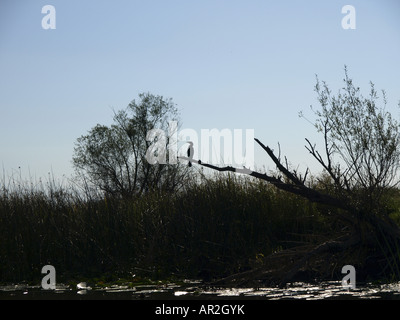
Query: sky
[[227, 64]]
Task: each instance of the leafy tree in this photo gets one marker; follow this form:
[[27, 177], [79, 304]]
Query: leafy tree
[[113, 158], [362, 145]]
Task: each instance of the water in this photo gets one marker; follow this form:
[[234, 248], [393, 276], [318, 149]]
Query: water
[[194, 290]]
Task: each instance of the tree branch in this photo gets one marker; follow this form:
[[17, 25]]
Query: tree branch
[[295, 187]]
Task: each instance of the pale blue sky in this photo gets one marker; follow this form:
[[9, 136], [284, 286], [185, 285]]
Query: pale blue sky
[[226, 64]]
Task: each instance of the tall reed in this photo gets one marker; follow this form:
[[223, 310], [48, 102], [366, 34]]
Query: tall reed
[[215, 227]]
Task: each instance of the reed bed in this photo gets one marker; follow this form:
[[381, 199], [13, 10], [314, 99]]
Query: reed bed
[[216, 226]]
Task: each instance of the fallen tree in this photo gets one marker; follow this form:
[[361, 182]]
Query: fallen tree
[[361, 162]]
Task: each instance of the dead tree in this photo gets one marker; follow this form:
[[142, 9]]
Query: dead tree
[[366, 140], [365, 228]]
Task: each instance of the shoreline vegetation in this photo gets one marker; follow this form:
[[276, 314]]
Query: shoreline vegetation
[[131, 214], [214, 229]]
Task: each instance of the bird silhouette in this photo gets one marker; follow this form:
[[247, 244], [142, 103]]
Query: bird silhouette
[[190, 152]]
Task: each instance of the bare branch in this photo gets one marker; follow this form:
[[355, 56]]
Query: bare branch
[[280, 167], [295, 187]]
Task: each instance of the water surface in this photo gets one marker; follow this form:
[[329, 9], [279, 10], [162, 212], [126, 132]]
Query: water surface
[[195, 290]]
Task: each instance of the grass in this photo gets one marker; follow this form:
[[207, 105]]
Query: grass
[[215, 227]]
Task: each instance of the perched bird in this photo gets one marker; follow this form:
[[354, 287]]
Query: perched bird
[[190, 152]]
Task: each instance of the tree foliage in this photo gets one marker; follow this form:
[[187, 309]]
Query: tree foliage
[[362, 144], [112, 158]]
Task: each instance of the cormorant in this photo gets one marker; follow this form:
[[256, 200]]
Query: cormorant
[[190, 152]]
